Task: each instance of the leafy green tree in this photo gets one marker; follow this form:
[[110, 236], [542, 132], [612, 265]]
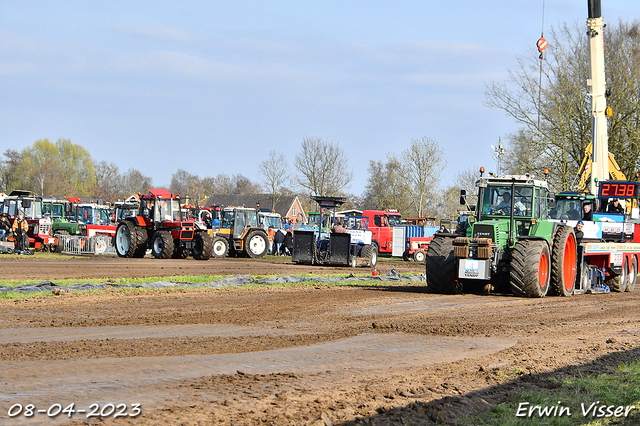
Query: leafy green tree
[[48, 168]]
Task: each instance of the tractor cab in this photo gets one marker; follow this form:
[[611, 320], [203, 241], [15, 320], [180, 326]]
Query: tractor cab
[[123, 210], [602, 220], [511, 207], [93, 214], [55, 208], [160, 206]]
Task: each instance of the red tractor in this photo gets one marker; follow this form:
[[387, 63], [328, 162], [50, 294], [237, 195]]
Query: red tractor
[[161, 227]]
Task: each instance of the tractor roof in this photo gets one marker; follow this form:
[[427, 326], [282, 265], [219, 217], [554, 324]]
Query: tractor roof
[[20, 193], [325, 201], [574, 195], [509, 179], [162, 193]]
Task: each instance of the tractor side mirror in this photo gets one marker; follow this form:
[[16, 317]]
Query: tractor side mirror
[[552, 200], [26, 204]]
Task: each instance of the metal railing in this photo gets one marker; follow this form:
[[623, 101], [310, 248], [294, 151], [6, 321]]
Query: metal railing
[[76, 244]]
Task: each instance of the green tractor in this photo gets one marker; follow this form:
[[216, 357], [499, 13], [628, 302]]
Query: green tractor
[[511, 245]]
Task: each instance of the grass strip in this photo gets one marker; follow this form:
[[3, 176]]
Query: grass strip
[[605, 399]]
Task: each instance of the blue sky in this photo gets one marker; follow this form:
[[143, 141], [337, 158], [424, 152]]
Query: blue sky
[[211, 87]]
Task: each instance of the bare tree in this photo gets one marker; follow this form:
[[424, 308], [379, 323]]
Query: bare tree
[[133, 182], [243, 185], [108, 181], [386, 187], [323, 167], [9, 167], [275, 173], [423, 163]]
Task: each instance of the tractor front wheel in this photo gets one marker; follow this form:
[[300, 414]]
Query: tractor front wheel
[[419, 256], [530, 268], [564, 262], [202, 246], [256, 244], [220, 247], [162, 245], [441, 267]]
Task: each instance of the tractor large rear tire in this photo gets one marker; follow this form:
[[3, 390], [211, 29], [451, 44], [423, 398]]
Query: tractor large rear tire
[[530, 268], [126, 239], [619, 283], [202, 246], [564, 262], [441, 267], [370, 255], [162, 245], [256, 243], [220, 247], [60, 236], [143, 243], [632, 275]]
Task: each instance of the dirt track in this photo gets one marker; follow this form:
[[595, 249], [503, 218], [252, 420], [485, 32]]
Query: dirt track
[[389, 354]]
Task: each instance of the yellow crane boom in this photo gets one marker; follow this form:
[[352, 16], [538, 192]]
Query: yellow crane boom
[[615, 173]]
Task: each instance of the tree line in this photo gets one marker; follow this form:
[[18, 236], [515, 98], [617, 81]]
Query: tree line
[[407, 181]]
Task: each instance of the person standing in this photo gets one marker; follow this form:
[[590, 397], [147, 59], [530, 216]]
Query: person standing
[[278, 239], [20, 228], [288, 243]]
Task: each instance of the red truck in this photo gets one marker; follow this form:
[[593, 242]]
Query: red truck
[[381, 223]]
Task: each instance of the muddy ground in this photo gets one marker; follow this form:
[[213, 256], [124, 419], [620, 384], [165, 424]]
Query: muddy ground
[[380, 354]]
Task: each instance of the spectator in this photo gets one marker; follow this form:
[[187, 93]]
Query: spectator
[[207, 220], [20, 228], [339, 227], [442, 229], [578, 231], [615, 207], [288, 243], [5, 226], [588, 214], [278, 239]]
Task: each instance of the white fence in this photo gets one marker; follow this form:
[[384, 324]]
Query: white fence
[[76, 244]]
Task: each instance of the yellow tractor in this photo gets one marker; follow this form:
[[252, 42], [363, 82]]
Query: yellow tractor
[[240, 234]]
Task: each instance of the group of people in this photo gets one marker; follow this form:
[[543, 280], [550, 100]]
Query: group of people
[[19, 229], [282, 243]]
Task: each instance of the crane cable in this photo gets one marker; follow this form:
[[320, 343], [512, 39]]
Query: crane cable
[[542, 45]]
